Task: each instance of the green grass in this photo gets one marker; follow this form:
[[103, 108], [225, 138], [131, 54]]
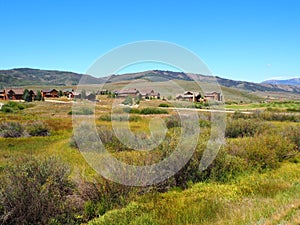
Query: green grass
[[285, 106], [272, 196]]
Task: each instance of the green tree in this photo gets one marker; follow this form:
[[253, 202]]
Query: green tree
[[60, 93], [27, 96], [38, 96]]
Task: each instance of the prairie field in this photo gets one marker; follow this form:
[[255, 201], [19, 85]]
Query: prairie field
[[253, 179]]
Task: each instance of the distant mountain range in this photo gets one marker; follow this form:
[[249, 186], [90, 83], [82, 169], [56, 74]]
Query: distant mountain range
[[293, 81], [36, 77], [30, 77]]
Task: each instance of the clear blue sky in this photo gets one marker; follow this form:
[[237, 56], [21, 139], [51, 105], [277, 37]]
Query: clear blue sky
[[242, 40]]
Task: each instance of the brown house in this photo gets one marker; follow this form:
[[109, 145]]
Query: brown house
[[50, 93], [3, 95], [149, 94], [126, 92], [69, 93], [215, 96], [189, 96], [12, 94]]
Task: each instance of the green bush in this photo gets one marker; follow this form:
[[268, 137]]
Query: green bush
[[173, 121], [131, 110], [81, 111], [293, 134], [36, 192], [164, 105], [224, 168], [262, 151], [11, 129], [128, 101], [108, 117], [37, 129], [12, 107], [243, 128], [147, 111]]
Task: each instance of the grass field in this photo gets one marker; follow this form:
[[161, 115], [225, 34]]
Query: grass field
[[253, 180], [280, 106]]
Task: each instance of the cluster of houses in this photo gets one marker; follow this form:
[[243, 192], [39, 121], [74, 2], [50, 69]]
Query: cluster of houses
[[186, 96], [17, 93], [197, 97], [133, 92]]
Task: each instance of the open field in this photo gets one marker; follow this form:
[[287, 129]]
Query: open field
[[253, 179], [280, 106]]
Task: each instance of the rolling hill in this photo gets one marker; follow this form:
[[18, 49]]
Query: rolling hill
[[27, 76], [293, 81]]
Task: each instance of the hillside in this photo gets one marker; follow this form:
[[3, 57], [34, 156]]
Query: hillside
[[293, 81], [29, 77]]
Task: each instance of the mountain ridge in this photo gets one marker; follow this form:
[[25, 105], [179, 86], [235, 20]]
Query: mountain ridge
[[292, 81], [28, 76]]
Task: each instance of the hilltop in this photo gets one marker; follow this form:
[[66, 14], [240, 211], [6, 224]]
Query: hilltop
[[293, 81], [30, 77]]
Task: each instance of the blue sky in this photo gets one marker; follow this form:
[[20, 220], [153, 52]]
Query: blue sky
[[241, 40]]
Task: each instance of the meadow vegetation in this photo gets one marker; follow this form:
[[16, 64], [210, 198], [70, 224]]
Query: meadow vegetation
[[254, 178]]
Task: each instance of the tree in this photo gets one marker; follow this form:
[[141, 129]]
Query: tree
[[128, 101], [83, 94], [60, 93], [27, 96], [38, 96]]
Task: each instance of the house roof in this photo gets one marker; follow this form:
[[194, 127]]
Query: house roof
[[17, 91], [127, 91], [47, 91]]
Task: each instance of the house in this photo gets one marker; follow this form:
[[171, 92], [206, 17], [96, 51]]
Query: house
[[189, 96], [53, 93], [3, 95], [149, 94], [126, 92], [102, 92], [13, 94], [69, 93], [214, 96]]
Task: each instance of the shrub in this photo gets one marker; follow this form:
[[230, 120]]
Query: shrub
[[164, 105], [262, 151], [128, 101], [11, 129], [146, 111], [12, 107], [204, 123], [37, 129], [82, 111], [243, 128], [108, 117], [173, 121], [224, 168], [293, 134], [35, 192], [131, 110]]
